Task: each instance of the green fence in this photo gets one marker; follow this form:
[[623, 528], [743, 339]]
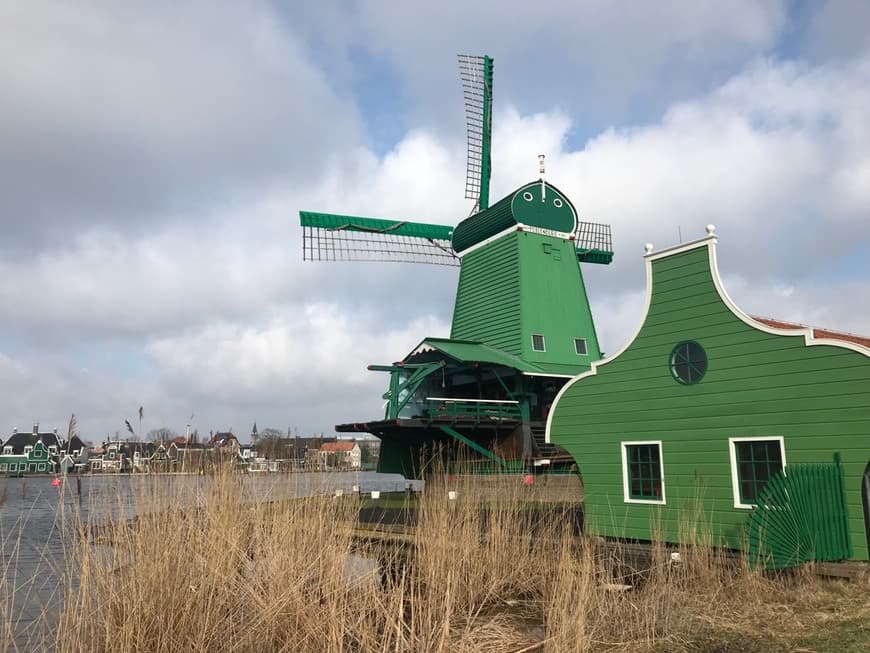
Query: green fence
[[800, 517], [458, 409]]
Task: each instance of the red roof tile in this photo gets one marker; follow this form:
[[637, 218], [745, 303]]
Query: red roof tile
[[334, 447], [817, 333]]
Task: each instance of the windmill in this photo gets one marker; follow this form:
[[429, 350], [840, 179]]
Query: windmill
[[521, 327]]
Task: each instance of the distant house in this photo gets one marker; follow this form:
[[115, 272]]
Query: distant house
[[123, 456], [30, 453], [342, 454], [294, 453], [225, 441], [73, 456]]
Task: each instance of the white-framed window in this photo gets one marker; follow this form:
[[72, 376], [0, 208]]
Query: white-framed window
[[643, 472], [41, 467], [3, 467], [13, 467], [7, 451], [580, 346], [538, 343], [753, 461], [27, 449]]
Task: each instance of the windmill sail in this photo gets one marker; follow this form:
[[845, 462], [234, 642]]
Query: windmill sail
[[332, 237], [594, 243], [476, 75]]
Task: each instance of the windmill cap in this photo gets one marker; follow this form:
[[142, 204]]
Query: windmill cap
[[538, 205]]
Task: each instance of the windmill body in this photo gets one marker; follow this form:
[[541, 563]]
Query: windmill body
[[521, 326]]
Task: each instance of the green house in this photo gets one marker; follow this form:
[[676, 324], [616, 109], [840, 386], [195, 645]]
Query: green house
[[29, 453], [757, 430]]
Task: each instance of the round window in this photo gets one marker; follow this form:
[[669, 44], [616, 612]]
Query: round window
[[527, 196], [688, 362], [557, 203]]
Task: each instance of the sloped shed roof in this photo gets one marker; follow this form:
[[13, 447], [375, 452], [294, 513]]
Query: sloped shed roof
[[476, 352]]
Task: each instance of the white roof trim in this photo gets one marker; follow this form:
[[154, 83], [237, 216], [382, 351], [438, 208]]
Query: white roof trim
[[710, 241], [557, 376], [806, 332], [519, 226], [679, 249]]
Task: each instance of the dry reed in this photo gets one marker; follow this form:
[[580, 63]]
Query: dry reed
[[482, 572]]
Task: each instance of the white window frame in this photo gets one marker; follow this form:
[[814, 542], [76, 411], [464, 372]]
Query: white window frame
[[585, 346], [735, 480], [7, 451], [623, 448], [27, 449], [543, 342], [3, 467]]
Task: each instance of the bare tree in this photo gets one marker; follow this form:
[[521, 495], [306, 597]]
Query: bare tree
[[163, 434]]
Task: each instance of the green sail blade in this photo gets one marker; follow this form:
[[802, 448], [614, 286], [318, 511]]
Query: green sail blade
[[334, 237]]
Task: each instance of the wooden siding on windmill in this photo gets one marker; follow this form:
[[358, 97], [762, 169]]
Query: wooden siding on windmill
[[549, 274], [488, 297], [483, 225], [757, 385]]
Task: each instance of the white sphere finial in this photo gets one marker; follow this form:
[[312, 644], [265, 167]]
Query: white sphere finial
[[711, 229], [648, 248]]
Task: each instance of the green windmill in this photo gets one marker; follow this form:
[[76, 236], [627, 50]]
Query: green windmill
[[521, 323]]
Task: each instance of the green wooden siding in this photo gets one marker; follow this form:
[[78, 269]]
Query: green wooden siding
[[523, 284], [336, 222], [514, 209], [757, 385], [555, 304], [553, 211], [488, 297], [481, 226]]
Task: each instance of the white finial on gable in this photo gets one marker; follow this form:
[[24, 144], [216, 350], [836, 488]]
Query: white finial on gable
[[711, 229], [541, 158], [648, 248]]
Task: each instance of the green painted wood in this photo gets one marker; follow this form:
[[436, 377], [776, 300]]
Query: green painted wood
[[553, 212], [475, 352], [483, 451], [801, 517], [546, 210], [757, 385], [336, 222], [524, 284], [483, 225], [488, 297], [486, 137]]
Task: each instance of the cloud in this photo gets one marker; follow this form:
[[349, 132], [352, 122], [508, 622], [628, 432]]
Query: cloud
[[152, 255], [301, 359], [115, 114], [601, 61]]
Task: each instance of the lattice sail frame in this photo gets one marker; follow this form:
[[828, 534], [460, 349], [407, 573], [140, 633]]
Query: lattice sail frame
[[330, 237], [594, 236], [476, 75]]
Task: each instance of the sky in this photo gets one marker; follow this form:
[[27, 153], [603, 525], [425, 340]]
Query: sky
[[154, 157]]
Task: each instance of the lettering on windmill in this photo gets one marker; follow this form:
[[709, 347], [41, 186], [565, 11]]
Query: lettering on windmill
[[543, 232]]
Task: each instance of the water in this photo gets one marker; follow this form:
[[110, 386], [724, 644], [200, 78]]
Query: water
[[33, 514]]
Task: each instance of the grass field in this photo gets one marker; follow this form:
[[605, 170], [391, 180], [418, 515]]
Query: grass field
[[291, 577]]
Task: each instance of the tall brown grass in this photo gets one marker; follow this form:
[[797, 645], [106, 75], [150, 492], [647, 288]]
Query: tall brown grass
[[481, 572]]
